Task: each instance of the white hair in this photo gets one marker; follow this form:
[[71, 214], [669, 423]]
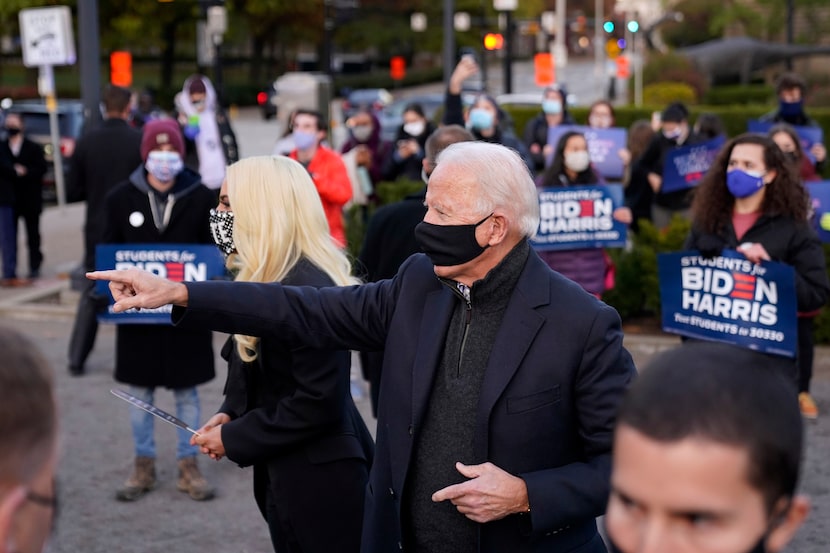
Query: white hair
[[503, 179]]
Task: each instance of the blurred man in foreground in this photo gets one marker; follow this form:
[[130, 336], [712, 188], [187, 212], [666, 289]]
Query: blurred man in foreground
[[28, 425], [706, 455]]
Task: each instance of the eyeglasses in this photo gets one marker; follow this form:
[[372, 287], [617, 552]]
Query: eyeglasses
[[46, 501]]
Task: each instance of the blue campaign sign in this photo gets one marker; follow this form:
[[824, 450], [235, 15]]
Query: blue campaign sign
[[729, 299], [685, 166], [820, 199], [177, 262], [808, 135], [578, 217], [603, 147]]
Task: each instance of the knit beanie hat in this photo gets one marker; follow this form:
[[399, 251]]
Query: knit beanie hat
[[159, 132]]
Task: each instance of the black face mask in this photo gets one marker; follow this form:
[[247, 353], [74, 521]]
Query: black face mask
[[12, 131], [448, 245]]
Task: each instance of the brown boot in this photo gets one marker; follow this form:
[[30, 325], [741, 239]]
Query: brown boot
[[141, 481], [192, 481]]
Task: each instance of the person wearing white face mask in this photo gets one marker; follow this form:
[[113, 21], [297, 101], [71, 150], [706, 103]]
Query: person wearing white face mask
[[408, 153], [554, 113], [162, 202], [571, 166]]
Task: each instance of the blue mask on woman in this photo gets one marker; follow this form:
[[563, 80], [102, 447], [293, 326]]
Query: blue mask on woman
[[742, 184], [481, 119]]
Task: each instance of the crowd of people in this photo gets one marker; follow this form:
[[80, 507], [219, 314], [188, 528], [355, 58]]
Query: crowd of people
[[510, 415]]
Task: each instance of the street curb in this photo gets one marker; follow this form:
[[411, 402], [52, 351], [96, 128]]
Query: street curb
[[35, 304]]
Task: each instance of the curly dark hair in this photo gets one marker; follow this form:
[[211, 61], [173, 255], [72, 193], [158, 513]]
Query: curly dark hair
[[784, 195], [551, 176]]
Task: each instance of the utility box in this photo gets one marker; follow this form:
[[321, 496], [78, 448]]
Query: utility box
[[303, 90]]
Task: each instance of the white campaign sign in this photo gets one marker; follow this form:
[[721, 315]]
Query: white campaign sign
[[46, 36]]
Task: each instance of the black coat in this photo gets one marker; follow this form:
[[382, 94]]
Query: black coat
[[160, 355], [547, 405], [786, 241], [295, 421], [28, 189], [390, 236], [103, 158]]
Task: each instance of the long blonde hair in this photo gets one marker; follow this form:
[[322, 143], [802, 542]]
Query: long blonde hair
[[278, 219]]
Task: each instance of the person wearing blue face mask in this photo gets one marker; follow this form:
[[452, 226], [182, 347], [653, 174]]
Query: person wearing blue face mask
[[162, 201], [752, 200], [554, 113], [675, 131], [790, 89], [485, 119]]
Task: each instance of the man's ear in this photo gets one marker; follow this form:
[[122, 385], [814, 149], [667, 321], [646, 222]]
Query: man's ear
[[788, 523], [8, 507], [498, 229]]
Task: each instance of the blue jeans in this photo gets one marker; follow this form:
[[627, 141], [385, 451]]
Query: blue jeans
[[8, 241], [187, 409]]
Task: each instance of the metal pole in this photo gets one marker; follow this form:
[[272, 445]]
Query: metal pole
[[638, 70], [46, 84], [508, 53], [448, 52], [217, 68], [599, 50], [328, 28], [790, 29], [90, 51]]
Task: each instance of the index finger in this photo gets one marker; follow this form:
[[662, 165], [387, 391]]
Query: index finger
[[450, 492], [112, 275]]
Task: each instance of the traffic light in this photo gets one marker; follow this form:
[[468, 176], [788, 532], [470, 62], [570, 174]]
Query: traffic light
[[633, 26], [608, 27], [493, 41]]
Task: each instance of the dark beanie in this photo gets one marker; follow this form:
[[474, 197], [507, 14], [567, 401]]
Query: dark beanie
[[197, 85], [675, 113], [160, 132]]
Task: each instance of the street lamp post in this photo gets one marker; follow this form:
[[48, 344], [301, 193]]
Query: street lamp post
[[508, 7]]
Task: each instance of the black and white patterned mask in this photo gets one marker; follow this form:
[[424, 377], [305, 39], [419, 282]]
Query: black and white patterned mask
[[221, 228]]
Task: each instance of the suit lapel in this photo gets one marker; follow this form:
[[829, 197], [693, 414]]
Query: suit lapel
[[429, 344], [518, 330], [431, 337]]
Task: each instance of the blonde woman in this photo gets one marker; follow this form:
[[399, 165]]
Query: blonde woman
[[288, 410]]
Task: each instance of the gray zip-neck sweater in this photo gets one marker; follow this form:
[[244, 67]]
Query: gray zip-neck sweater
[[447, 431]]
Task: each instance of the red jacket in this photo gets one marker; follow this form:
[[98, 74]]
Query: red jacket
[[333, 185]]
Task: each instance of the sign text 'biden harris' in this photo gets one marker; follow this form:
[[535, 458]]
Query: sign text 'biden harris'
[[729, 299]]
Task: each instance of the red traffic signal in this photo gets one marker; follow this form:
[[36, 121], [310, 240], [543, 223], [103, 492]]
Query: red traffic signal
[[493, 41]]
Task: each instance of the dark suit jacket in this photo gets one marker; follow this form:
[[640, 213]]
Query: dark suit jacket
[[103, 158], [294, 419], [547, 406], [28, 189]]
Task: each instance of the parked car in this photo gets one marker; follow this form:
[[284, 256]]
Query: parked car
[[374, 99], [36, 122], [267, 101], [391, 116]]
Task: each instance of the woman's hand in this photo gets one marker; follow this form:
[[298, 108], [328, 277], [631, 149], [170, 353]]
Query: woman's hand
[[754, 252], [209, 436]]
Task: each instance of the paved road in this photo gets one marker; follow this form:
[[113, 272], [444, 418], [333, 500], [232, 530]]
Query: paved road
[[96, 447]]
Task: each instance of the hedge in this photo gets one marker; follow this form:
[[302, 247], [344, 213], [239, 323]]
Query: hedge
[[636, 293]]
